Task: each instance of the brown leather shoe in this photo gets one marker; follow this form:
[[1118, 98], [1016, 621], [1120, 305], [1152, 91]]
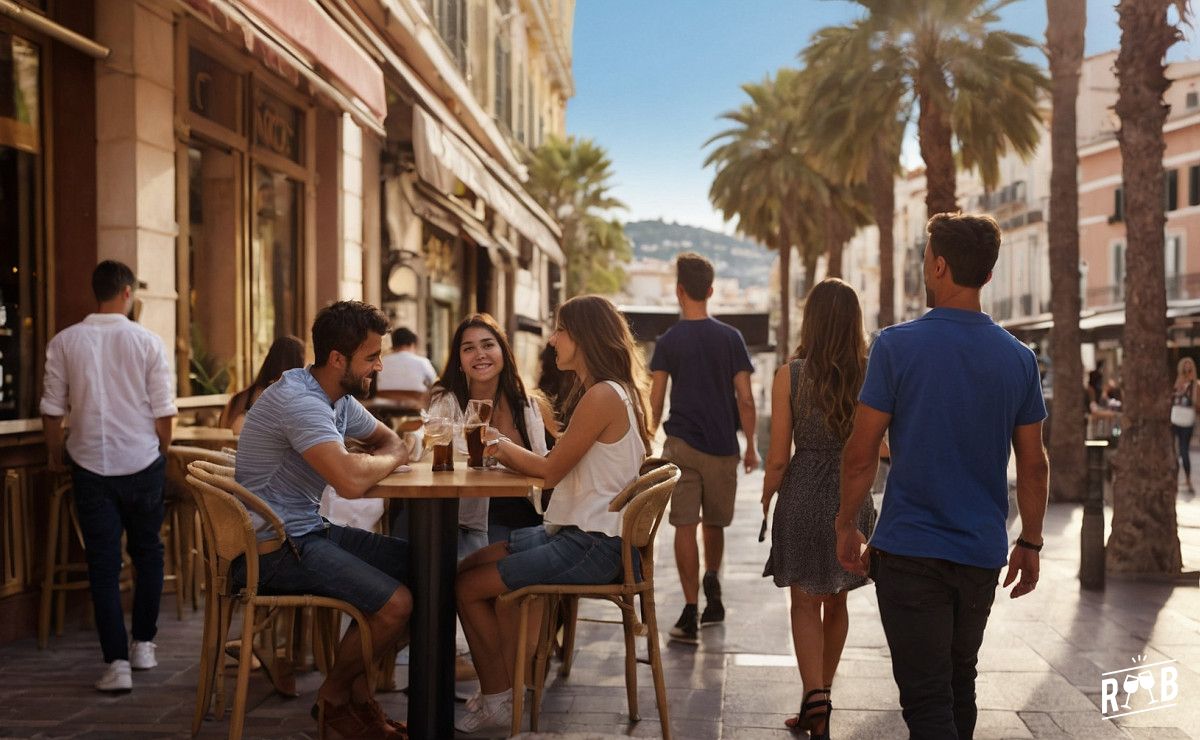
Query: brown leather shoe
[[371, 712], [356, 721]]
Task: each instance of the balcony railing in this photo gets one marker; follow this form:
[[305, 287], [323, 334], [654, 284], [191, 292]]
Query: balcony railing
[[1179, 288]]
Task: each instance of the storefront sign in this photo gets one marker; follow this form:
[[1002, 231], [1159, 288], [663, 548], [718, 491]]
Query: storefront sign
[[277, 126]]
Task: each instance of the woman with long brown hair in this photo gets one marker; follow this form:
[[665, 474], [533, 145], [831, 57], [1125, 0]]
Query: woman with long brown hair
[[599, 453], [286, 353], [812, 403], [481, 366]]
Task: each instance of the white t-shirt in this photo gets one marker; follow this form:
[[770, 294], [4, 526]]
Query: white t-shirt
[[405, 371], [110, 376]]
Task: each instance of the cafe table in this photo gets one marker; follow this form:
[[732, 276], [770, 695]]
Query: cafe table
[[432, 501], [209, 437]]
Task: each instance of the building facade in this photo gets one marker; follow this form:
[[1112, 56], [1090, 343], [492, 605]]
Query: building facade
[[253, 161]]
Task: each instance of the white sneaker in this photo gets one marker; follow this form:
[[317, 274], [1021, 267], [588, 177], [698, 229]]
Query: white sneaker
[[484, 718], [116, 677], [141, 655]]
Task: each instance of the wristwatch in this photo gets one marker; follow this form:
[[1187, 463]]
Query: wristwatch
[[1022, 542]]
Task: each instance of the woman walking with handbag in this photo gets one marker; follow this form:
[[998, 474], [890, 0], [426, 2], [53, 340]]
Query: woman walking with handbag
[[1183, 413]]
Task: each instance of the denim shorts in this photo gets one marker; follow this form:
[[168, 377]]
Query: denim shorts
[[568, 557], [356, 566]]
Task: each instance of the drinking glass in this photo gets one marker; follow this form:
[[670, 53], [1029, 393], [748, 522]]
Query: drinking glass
[[1146, 680], [479, 410], [442, 421], [1130, 684]]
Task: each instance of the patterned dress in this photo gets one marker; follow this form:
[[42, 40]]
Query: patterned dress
[[803, 541]]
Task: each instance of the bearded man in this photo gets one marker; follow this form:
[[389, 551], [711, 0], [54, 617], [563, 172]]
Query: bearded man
[[292, 445]]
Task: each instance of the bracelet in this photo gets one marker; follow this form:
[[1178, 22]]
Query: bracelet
[[1022, 542]]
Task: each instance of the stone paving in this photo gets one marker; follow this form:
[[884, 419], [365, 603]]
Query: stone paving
[[1040, 666]]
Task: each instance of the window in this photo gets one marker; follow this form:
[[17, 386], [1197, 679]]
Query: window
[[1193, 100], [274, 261], [22, 282], [1118, 213], [1170, 190], [503, 65], [1194, 185], [450, 18], [519, 83], [1173, 255], [1118, 270]]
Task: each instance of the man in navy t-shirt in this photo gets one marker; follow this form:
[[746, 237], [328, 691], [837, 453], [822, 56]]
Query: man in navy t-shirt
[[709, 369], [955, 391]]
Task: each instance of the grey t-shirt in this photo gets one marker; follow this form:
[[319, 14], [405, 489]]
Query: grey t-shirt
[[291, 416]]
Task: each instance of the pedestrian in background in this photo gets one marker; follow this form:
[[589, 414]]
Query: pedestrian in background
[[955, 392], [812, 404], [406, 376], [110, 375], [708, 367], [1184, 400]]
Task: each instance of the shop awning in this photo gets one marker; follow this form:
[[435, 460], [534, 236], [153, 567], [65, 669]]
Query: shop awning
[[56, 31], [442, 159], [297, 39]]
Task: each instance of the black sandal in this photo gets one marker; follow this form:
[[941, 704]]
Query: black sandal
[[808, 717]]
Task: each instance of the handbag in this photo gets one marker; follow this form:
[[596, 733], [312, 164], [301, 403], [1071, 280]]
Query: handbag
[[1183, 416]]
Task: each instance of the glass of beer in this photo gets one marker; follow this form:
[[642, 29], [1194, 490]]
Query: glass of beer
[[473, 431]]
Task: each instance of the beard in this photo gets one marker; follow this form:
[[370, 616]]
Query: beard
[[358, 386]]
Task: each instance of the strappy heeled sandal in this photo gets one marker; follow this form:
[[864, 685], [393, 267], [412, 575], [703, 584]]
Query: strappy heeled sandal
[[808, 717]]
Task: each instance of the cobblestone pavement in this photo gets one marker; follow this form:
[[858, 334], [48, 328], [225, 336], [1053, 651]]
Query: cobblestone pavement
[[1040, 665]]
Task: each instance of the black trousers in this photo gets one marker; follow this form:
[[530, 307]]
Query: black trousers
[[934, 613]]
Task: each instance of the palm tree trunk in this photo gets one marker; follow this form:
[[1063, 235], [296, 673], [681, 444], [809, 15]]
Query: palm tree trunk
[[934, 135], [1064, 40], [810, 271], [1144, 535], [784, 337], [833, 248], [883, 205]]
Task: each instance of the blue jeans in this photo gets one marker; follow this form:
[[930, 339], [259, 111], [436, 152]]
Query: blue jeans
[[934, 613], [1183, 445], [108, 505]]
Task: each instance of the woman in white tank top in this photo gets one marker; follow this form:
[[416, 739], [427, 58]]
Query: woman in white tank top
[[599, 453]]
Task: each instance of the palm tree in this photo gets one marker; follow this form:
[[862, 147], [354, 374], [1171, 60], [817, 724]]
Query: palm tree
[[1064, 49], [857, 138], [965, 77], [766, 182], [1144, 536], [570, 178]]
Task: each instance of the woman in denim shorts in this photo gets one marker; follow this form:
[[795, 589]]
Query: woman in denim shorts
[[579, 542]]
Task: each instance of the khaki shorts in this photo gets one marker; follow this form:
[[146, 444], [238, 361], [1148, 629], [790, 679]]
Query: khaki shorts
[[707, 488]]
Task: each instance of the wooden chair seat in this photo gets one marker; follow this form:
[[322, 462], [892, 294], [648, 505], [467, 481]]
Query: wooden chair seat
[[642, 505]]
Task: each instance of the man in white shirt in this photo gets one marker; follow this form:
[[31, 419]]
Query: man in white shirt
[[406, 376], [110, 376]]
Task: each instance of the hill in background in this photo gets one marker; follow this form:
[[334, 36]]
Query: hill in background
[[746, 261]]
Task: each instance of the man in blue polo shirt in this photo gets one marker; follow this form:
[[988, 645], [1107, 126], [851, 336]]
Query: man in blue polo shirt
[[292, 445], [955, 391]]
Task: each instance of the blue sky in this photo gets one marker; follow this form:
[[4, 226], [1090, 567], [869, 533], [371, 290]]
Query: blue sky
[[652, 77]]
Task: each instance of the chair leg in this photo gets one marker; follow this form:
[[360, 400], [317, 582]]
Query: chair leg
[[196, 556], [656, 669], [225, 617], [545, 637], [47, 602], [571, 615], [68, 522], [518, 687], [177, 564], [238, 719], [211, 647], [627, 621]]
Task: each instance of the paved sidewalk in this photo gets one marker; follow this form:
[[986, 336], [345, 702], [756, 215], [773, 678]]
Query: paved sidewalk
[[1040, 667]]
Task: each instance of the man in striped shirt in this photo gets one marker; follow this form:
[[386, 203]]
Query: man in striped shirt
[[292, 445]]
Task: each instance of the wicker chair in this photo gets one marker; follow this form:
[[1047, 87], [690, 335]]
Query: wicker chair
[[641, 504], [228, 534]]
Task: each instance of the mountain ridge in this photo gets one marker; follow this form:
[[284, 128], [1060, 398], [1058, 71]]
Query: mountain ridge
[[733, 257]]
